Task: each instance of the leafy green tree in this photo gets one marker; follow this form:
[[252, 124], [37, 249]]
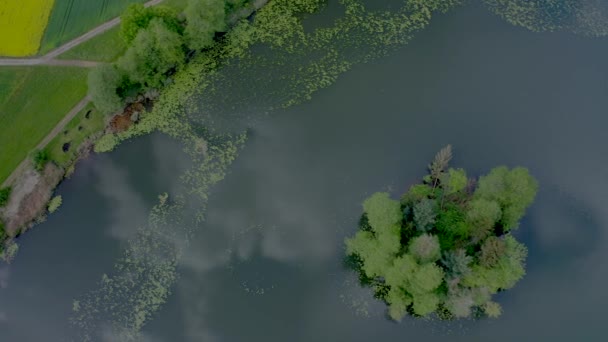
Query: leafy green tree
[[137, 17], [398, 301], [204, 18], [427, 278], [514, 190], [454, 181], [481, 295], [416, 193], [508, 270], [456, 263], [460, 304], [492, 250], [378, 246], [425, 303], [383, 214], [376, 258], [155, 51], [5, 194], [452, 225], [482, 215], [103, 82], [400, 271], [425, 248], [425, 214]]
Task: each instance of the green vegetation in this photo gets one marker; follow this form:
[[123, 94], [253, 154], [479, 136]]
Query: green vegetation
[[106, 143], [24, 122], [588, 17], [137, 18], [144, 276], [3, 235], [106, 47], [156, 49], [63, 150], [40, 158], [71, 18], [55, 203], [8, 250], [103, 82], [446, 246], [5, 194], [204, 18]]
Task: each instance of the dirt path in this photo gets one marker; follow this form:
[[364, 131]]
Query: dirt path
[[49, 58], [49, 137], [40, 61]]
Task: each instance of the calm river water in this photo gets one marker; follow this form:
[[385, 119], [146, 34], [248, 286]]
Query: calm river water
[[268, 264]]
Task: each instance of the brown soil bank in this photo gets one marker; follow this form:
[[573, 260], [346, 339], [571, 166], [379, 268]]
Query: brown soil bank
[[31, 193]]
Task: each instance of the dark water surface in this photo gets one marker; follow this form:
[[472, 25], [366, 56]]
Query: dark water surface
[[268, 264]]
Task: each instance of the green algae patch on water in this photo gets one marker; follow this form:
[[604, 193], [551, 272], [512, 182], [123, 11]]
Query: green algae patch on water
[[274, 62], [142, 278], [585, 17]]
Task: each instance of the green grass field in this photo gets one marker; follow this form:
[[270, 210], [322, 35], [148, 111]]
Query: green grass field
[[71, 18], [106, 47], [63, 149], [32, 101]]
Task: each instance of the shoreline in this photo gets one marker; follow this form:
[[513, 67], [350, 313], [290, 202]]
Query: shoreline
[[32, 190]]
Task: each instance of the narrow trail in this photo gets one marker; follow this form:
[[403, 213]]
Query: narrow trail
[[40, 61]]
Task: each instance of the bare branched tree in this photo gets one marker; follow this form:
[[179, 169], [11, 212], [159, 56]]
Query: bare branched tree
[[440, 163]]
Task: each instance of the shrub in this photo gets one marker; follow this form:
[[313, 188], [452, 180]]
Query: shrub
[[103, 82], [40, 158], [154, 52], [5, 194], [10, 250], [205, 18], [137, 18], [3, 235], [106, 143], [424, 214], [55, 203]]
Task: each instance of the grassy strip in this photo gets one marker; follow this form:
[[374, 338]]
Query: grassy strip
[[63, 150], [106, 47], [32, 101], [71, 18]]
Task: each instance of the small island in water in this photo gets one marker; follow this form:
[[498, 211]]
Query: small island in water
[[446, 247]]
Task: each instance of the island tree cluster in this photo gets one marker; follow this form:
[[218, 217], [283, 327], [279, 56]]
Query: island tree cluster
[[446, 247]]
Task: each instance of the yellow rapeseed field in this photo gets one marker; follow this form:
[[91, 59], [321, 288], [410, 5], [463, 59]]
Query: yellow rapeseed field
[[22, 24]]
